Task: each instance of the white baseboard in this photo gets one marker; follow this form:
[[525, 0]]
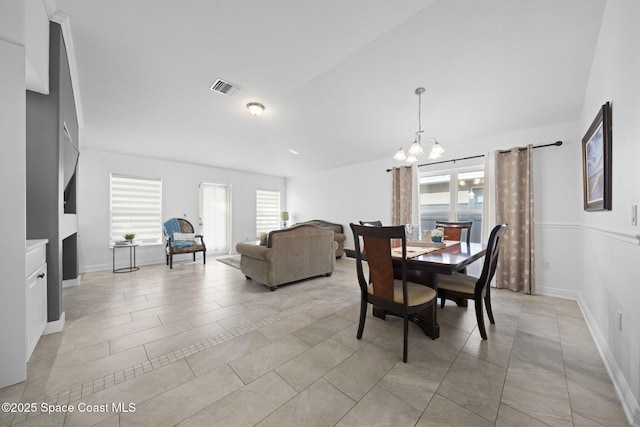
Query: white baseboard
[[69, 283], [55, 326], [558, 293], [629, 403]]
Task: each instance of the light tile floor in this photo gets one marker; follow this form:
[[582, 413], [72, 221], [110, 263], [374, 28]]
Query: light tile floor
[[200, 345]]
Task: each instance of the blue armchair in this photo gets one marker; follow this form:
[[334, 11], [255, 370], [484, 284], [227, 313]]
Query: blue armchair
[[181, 239]]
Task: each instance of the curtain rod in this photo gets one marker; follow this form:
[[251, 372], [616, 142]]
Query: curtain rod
[[554, 144]]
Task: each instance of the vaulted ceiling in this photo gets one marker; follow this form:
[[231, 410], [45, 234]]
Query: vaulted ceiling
[[337, 77]]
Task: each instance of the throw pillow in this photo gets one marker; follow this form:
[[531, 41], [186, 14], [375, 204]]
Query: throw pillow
[[184, 236]]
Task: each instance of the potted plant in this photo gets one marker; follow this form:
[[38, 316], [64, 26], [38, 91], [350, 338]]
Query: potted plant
[[437, 235], [129, 237]]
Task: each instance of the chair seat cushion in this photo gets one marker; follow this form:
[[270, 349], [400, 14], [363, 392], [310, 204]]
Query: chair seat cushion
[[460, 283], [418, 294], [187, 249]]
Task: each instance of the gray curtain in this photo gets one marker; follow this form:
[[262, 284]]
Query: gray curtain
[[402, 195], [514, 206]]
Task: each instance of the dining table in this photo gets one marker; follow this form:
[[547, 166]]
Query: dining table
[[425, 268]]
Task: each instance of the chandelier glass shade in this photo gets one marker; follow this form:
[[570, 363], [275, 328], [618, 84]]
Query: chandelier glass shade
[[416, 148]]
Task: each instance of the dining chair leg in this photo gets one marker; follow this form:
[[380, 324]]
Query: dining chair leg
[[433, 316], [406, 338], [204, 257], [363, 316], [487, 303], [480, 318], [442, 300]]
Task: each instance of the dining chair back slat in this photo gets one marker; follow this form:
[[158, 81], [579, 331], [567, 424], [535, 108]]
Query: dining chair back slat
[[453, 230]]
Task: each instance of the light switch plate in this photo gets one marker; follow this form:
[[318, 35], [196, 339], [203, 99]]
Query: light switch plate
[[634, 215]]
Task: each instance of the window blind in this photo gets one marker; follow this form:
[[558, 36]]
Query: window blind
[[136, 207], [267, 211]]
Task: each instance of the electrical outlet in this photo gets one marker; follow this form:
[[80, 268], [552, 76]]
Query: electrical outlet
[[620, 320], [634, 215]]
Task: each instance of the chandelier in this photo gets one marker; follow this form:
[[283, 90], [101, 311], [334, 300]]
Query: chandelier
[[416, 150]]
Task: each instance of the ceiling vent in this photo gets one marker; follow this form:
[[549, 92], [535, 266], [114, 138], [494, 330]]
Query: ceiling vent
[[224, 87]]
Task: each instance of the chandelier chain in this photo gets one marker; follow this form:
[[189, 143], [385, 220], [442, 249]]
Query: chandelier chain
[[416, 148], [419, 113], [419, 92]]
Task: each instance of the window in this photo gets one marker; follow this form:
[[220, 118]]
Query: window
[[452, 195], [136, 207], [267, 211]]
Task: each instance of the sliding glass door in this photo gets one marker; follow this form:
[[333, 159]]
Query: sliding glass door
[[215, 217], [453, 195]]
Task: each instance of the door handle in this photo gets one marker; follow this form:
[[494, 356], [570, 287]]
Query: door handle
[[41, 276]]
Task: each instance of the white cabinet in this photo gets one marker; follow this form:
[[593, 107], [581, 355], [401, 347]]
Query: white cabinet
[[36, 292]]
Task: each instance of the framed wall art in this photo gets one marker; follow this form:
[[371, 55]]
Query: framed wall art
[[596, 162]]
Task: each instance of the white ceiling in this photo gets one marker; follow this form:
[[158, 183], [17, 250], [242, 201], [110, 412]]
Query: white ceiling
[[337, 77]]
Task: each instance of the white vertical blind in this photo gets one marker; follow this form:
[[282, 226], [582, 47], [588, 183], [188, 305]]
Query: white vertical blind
[[267, 211], [215, 216], [136, 207]]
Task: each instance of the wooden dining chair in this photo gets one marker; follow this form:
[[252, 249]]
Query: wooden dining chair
[[371, 223], [476, 289], [453, 230], [395, 296]]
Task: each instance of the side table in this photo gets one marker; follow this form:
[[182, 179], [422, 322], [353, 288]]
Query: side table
[[132, 258]]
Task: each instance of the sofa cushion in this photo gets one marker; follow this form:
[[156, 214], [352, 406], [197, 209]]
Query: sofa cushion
[[338, 230], [285, 231], [325, 224], [187, 249]]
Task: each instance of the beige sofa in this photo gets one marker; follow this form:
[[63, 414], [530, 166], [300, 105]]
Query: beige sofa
[[340, 237], [292, 254]]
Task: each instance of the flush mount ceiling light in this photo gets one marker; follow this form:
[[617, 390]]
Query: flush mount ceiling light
[[416, 150], [255, 108]]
